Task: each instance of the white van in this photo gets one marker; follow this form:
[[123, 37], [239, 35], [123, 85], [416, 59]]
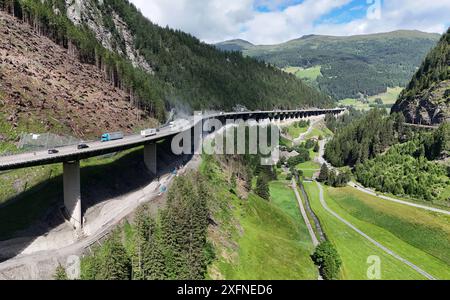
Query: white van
[[148, 132]]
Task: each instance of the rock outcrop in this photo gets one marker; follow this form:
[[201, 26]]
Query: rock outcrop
[[430, 107], [89, 12], [426, 100]]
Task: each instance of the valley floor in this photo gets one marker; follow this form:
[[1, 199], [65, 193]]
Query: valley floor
[[272, 243]]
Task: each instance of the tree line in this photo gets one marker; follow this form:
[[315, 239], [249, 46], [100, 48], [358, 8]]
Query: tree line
[[409, 169], [388, 156], [433, 69], [364, 138], [49, 18], [355, 65], [187, 72], [171, 245], [334, 178]]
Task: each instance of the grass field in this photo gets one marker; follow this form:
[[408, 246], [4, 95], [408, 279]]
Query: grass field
[[285, 142], [389, 98], [283, 197], [353, 248], [309, 168], [417, 235], [309, 74], [319, 131], [272, 247], [258, 239], [294, 131]]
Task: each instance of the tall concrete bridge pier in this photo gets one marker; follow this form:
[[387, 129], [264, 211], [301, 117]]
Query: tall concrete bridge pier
[[72, 192], [150, 157], [70, 156]]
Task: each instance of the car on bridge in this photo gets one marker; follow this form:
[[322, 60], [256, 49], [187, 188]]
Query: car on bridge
[[82, 146], [52, 151], [148, 132]]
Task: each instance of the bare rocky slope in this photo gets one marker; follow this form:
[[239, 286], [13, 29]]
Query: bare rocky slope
[[43, 87]]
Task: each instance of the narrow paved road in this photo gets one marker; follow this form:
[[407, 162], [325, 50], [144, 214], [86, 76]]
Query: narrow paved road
[[314, 239], [301, 137], [370, 192], [388, 251], [321, 160]]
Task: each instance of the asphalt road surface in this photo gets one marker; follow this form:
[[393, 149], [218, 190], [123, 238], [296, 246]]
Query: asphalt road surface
[[370, 192], [385, 249]]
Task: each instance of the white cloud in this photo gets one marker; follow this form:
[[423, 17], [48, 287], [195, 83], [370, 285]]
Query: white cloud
[[218, 20], [294, 21], [424, 15], [209, 20]]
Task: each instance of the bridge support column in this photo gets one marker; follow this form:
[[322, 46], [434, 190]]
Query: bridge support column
[[150, 158], [72, 194]]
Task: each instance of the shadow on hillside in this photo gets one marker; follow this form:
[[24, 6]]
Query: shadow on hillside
[[39, 210]]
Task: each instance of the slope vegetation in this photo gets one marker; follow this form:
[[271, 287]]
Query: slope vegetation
[[426, 100], [255, 238], [349, 66], [159, 67], [43, 89]]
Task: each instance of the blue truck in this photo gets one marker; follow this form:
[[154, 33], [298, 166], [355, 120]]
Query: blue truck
[[112, 136]]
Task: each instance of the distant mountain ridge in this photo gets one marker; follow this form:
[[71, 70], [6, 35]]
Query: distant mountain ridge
[[235, 45], [350, 65], [426, 100]]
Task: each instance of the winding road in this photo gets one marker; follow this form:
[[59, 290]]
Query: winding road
[[372, 193], [385, 249], [321, 160]]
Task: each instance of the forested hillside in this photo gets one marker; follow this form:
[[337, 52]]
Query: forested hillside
[[161, 67], [363, 138], [408, 169], [349, 66], [392, 158], [426, 100], [212, 220], [172, 246], [42, 89]]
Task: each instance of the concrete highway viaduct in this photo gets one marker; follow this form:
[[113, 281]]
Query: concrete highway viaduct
[[70, 156]]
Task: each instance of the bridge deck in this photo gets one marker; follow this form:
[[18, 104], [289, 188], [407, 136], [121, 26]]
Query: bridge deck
[[71, 153]]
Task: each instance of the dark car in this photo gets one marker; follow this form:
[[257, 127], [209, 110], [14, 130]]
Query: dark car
[[82, 146], [52, 151]]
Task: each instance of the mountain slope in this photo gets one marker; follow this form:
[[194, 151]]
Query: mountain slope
[[426, 100], [365, 64], [159, 67], [235, 45], [42, 88]]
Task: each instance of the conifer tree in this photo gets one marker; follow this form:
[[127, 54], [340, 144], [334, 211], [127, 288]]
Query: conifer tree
[[115, 263], [60, 273], [324, 173], [262, 187]]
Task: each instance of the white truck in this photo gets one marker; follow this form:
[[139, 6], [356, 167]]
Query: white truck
[[148, 132]]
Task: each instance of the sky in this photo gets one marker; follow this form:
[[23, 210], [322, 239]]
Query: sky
[[275, 21]]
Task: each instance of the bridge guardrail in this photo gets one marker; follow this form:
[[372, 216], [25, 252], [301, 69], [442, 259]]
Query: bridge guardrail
[[40, 142]]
